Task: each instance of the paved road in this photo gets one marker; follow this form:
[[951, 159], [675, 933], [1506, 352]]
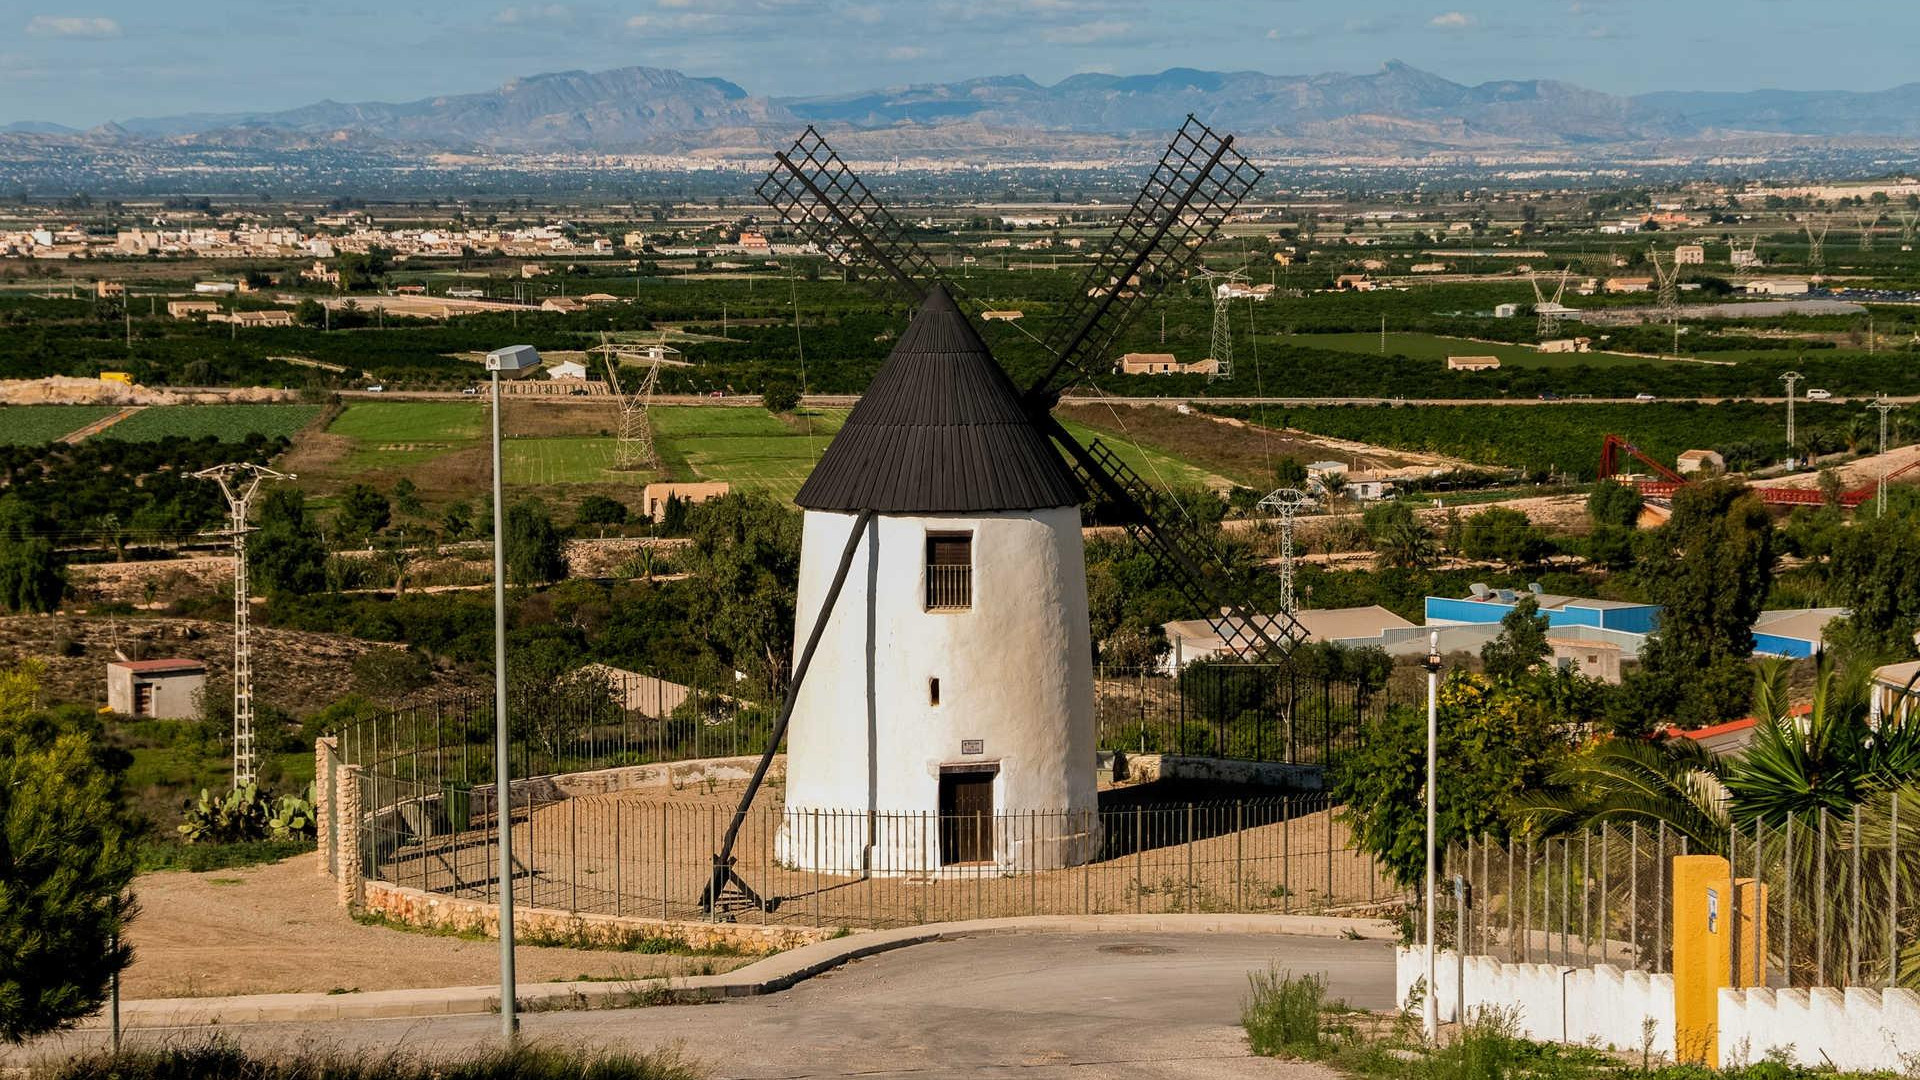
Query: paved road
[[1046, 1006]]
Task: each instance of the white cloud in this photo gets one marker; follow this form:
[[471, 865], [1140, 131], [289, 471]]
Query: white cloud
[[686, 22], [72, 26], [1452, 20], [534, 13], [1086, 33], [904, 52], [1289, 33]]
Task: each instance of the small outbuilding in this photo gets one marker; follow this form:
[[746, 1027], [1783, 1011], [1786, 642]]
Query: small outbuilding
[[1473, 363], [157, 689]]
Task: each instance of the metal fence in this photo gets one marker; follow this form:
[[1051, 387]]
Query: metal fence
[[1827, 899], [636, 856], [1251, 712]]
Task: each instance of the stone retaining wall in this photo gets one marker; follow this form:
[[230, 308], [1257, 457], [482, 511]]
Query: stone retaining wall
[[412, 907], [1146, 768]]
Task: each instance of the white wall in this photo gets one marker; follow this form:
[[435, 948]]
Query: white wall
[[1015, 671], [1855, 1028], [1603, 1005]]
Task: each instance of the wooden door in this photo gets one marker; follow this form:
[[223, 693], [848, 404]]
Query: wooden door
[[966, 817]]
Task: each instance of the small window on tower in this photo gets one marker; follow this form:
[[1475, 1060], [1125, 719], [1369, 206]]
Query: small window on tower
[[949, 571], [933, 691]]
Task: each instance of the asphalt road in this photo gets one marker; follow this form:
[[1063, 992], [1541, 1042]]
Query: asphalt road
[[1044, 1006]]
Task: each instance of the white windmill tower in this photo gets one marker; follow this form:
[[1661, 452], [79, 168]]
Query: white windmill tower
[[962, 661], [942, 592]]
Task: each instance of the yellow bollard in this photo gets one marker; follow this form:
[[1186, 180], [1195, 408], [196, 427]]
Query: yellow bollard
[[1705, 935]]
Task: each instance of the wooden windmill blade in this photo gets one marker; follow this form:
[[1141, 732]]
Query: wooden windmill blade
[[815, 193], [1198, 182]]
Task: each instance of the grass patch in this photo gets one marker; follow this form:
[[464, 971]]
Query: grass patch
[[228, 423], [1436, 347], [612, 939], [1282, 1015], [34, 425], [219, 1059], [200, 858], [1158, 468], [751, 449]]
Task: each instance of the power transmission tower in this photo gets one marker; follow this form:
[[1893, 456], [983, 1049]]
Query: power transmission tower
[[1882, 406], [1909, 221], [239, 482], [1791, 378], [1219, 284], [1867, 219], [1668, 274], [634, 448], [1286, 503], [1816, 239], [1550, 312]]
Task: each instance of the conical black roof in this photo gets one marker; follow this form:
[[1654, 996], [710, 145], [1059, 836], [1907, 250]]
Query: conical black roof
[[941, 430]]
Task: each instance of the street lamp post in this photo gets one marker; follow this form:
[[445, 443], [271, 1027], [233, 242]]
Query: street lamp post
[[512, 361], [1430, 1015]]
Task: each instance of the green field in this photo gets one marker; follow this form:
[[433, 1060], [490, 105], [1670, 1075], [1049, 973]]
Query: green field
[[399, 434], [576, 459], [1156, 466], [1435, 347], [749, 448], [32, 425], [228, 423]]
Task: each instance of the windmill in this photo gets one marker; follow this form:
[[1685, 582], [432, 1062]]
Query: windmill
[[634, 450], [1219, 286], [961, 486], [1816, 239], [239, 482], [1550, 311]]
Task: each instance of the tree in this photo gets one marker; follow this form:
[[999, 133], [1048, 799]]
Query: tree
[[308, 312], [1504, 535], [780, 396], [32, 573], [384, 673], [1613, 503], [1833, 757], [535, 551], [746, 554], [406, 498], [1289, 472], [1522, 643], [363, 512], [600, 510], [66, 860], [1407, 545], [284, 554], [1875, 573], [1674, 781], [1496, 741], [1709, 570]]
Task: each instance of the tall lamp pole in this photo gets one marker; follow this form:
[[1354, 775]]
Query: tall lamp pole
[[512, 361], [1430, 1015]]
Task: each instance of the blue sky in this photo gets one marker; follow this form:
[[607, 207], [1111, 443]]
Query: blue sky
[[84, 61]]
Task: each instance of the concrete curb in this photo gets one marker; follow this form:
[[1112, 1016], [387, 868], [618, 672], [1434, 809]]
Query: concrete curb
[[771, 975]]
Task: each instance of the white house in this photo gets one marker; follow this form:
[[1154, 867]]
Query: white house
[[952, 691], [566, 369]]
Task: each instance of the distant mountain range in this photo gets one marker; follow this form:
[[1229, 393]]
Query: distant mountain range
[[1396, 109]]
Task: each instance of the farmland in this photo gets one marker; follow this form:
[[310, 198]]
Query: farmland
[[32, 425], [749, 448], [1435, 347], [228, 423]]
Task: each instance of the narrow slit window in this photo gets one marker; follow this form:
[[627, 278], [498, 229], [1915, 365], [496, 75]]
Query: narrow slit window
[[933, 691]]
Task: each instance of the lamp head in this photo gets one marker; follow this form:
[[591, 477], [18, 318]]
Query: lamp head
[[513, 360]]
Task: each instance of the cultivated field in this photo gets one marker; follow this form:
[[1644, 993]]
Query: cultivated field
[[228, 423], [32, 425], [1435, 347], [749, 448]]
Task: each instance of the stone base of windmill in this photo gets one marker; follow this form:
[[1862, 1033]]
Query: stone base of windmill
[[928, 846]]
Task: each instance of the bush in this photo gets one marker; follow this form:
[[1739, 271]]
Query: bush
[[1282, 1014]]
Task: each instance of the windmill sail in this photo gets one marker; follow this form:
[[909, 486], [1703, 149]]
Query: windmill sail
[[822, 199]]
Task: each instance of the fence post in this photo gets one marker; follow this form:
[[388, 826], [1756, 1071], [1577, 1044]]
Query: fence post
[[1286, 853], [618, 898], [1139, 846], [1327, 809], [1853, 929], [1189, 838], [1239, 859], [573, 855], [664, 865], [1821, 886], [1893, 893]]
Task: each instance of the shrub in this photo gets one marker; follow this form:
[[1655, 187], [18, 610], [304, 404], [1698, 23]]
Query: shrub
[[1282, 1014], [219, 1058]]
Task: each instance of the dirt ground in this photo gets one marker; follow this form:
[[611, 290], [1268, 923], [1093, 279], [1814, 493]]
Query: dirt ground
[[276, 929]]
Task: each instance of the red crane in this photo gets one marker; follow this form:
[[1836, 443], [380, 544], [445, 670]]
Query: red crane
[[1613, 446]]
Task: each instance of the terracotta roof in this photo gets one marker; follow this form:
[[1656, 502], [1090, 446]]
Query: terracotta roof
[[941, 430], [159, 667]]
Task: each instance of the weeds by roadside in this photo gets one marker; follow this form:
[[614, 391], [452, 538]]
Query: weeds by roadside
[[218, 1059]]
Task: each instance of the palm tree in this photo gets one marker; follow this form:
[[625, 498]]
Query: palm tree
[[1627, 780], [1408, 545], [1834, 757]]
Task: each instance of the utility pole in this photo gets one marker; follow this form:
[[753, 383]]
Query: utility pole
[[1790, 378], [1430, 1013], [1383, 335], [1882, 406], [239, 482]]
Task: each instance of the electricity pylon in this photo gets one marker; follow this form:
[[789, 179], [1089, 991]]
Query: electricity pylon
[[1219, 284], [1790, 378], [1867, 219], [1286, 503], [1816, 240], [1882, 406], [1550, 312], [239, 482], [635, 446]]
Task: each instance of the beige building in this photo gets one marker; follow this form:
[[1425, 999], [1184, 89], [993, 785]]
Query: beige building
[[1594, 659], [1894, 688], [159, 689], [187, 309], [249, 320], [653, 498], [562, 304], [1690, 255], [1700, 461], [1566, 345], [1628, 284], [1162, 364], [1472, 363]]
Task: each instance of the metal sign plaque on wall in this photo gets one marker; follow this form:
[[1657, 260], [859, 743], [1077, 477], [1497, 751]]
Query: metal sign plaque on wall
[[973, 746]]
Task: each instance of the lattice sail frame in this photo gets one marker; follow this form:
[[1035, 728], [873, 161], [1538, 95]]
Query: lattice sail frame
[[818, 196], [1186, 199]]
